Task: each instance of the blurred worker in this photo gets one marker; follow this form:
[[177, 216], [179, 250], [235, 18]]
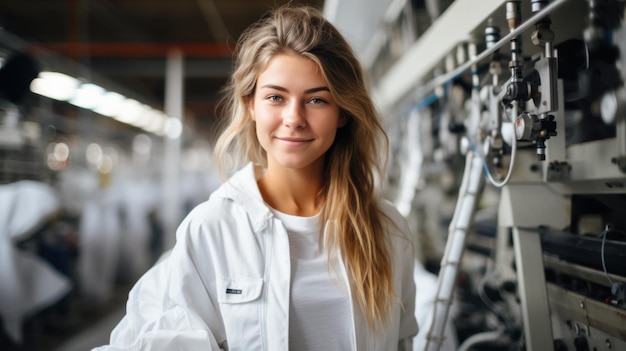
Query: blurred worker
[[296, 251]]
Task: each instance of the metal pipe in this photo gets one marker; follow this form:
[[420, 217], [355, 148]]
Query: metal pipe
[[425, 89], [474, 119], [455, 245]]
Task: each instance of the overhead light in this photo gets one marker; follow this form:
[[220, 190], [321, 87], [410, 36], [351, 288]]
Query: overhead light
[[143, 116], [157, 124], [111, 104], [148, 115], [88, 96], [130, 111], [54, 85]]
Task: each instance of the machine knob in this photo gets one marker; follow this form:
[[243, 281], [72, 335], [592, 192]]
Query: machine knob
[[524, 126]]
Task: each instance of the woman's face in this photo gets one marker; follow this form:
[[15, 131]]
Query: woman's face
[[296, 116]]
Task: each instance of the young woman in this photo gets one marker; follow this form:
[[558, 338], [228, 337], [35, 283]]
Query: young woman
[[296, 251]]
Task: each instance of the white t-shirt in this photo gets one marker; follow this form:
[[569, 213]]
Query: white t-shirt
[[319, 310]]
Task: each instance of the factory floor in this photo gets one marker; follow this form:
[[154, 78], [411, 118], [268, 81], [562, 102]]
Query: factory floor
[[71, 325], [95, 335]]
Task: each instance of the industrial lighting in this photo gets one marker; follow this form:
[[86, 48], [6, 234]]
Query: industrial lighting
[[143, 117], [157, 124], [129, 112], [111, 104], [54, 85], [88, 96], [148, 115]]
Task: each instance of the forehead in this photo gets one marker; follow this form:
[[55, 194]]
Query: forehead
[[291, 67]]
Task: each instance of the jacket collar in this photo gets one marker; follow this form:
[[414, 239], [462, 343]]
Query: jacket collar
[[242, 188]]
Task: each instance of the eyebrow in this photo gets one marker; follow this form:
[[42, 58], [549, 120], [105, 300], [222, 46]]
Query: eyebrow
[[308, 91]]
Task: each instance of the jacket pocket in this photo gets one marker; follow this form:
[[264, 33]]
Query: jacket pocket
[[239, 290], [241, 305]]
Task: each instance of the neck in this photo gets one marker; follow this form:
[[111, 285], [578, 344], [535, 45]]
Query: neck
[[291, 191]]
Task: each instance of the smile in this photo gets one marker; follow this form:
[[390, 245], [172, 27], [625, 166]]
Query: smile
[[294, 141]]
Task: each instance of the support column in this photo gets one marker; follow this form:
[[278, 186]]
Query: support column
[[171, 202], [524, 206], [532, 289]]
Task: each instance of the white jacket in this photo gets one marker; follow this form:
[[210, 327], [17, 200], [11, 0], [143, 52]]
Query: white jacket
[[226, 283]]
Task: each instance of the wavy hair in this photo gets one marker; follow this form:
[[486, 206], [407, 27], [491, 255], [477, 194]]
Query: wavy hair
[[352, 163]]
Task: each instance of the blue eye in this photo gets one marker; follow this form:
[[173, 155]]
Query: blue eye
[[317, 101], [274, 98]]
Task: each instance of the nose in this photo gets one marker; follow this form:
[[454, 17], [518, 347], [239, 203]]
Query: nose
[[293, 115]]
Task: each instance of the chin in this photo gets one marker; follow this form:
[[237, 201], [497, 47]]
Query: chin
[[295, 164]]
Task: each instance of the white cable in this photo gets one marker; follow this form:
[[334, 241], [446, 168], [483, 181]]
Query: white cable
[[511, 161], [607, 229], [478, 339]]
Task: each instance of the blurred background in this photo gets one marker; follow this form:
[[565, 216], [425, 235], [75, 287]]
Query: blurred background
[[107, 124], [107, 118]]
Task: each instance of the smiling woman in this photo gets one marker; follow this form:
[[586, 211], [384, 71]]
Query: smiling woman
[[296, 251], [296, 120]]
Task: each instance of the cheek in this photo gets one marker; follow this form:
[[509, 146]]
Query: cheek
[[329, 130], [265, 119], [261, 127]]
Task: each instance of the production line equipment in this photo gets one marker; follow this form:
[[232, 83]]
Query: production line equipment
[[545, 124]]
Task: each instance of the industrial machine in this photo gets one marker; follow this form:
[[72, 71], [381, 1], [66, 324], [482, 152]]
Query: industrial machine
[[508, 123]]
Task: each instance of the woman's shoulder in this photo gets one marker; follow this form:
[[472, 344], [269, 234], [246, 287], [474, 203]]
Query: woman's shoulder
[[391, 212], [212, 211], [398, 227], [220, 213]]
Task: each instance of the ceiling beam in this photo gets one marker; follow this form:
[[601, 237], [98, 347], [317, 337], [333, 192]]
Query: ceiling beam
[[155, 68], [133, 49]]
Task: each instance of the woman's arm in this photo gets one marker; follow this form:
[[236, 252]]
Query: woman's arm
[[170, 308]]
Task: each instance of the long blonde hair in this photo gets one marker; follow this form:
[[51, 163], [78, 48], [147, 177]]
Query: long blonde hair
[[351, 162]]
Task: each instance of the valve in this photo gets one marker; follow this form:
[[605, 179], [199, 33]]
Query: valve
[[529, 127], [519, 90]]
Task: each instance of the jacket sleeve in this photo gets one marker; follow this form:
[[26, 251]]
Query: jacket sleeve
[[404, 257], [170, 307], [408, 322]]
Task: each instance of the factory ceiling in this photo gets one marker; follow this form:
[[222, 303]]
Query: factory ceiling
[[126, 42]]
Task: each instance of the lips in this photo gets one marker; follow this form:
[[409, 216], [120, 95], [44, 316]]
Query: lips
[[295, 140]]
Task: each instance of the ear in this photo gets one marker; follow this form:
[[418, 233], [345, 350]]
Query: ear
[[251, 108], [343, 120]]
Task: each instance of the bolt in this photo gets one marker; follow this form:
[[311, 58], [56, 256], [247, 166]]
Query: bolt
[[608, 344], [581, 303]]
